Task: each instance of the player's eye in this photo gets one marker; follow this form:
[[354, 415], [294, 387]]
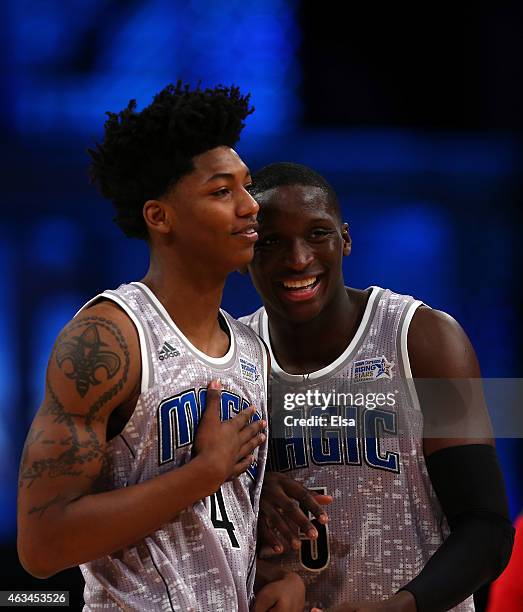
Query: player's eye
[[220, 193], [266, 241], [319, 233]]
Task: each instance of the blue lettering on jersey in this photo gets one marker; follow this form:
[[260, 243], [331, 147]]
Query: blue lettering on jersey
[[352, 441], [289, 452], [231, 405], [178, 419], [337, 444], [178, 416], [375, 420], [325, 442]]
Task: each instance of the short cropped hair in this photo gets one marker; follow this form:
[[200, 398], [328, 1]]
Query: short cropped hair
[[143, 154], [288, 173]]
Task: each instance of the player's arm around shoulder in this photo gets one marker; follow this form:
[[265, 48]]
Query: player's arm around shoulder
[[94, 367]]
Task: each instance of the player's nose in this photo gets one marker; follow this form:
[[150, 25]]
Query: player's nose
[[247, 205], [298, 256]]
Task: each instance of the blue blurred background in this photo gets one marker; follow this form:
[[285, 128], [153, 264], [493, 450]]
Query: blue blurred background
[[415, 118]]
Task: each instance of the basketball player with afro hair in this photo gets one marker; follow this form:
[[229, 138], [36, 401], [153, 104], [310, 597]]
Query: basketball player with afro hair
[[144, 463]]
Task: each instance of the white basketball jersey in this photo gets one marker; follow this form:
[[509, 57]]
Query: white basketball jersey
[[385, 521], [205, 558]]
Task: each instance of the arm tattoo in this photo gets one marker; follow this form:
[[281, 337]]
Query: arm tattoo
[[85, 354], [41, 509]]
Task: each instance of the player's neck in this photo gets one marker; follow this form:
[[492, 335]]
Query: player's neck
[[311, 346], [192, 301]]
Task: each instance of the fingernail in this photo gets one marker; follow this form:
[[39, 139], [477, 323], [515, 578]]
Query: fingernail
[[262, 437], [216, 383], [323, 518], [277, 549], [296, 544], [312, 533]]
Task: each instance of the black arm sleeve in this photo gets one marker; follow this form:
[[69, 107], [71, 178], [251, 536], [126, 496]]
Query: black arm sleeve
[[469, 484]]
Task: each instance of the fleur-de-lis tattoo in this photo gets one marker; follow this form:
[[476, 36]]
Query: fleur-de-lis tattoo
[[86, 355]]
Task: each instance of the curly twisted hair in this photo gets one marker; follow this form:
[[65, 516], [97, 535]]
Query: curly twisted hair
[[144, 154]]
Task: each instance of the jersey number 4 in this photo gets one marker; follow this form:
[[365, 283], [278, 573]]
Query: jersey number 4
[[315, 554], [219, 517]]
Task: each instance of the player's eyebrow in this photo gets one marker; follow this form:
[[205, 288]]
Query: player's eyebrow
[[227, 176], [319, 219]]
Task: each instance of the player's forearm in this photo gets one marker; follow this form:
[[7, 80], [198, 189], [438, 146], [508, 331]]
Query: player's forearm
[[93, 526], [468, 482], [475, 553]]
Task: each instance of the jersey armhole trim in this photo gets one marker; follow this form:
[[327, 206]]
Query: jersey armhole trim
[[146, 372], [404, 352], [266, 373]]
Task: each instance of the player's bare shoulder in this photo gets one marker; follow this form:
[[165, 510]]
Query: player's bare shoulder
[[95, 361], [439, 347]]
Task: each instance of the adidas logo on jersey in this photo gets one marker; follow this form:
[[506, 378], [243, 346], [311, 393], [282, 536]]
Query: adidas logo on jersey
[[167, 351]]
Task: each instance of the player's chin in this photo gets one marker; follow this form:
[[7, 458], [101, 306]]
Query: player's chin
[[299, 312], [242, 258]]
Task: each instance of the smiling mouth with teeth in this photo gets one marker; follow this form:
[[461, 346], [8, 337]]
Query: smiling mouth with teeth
[[297, 285]]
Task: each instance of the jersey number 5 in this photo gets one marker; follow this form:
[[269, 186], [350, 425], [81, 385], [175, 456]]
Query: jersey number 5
[[315, 554], [219, 517]]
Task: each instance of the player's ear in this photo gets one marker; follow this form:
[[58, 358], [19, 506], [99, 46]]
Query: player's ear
[[157, 216], [347, 240]]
